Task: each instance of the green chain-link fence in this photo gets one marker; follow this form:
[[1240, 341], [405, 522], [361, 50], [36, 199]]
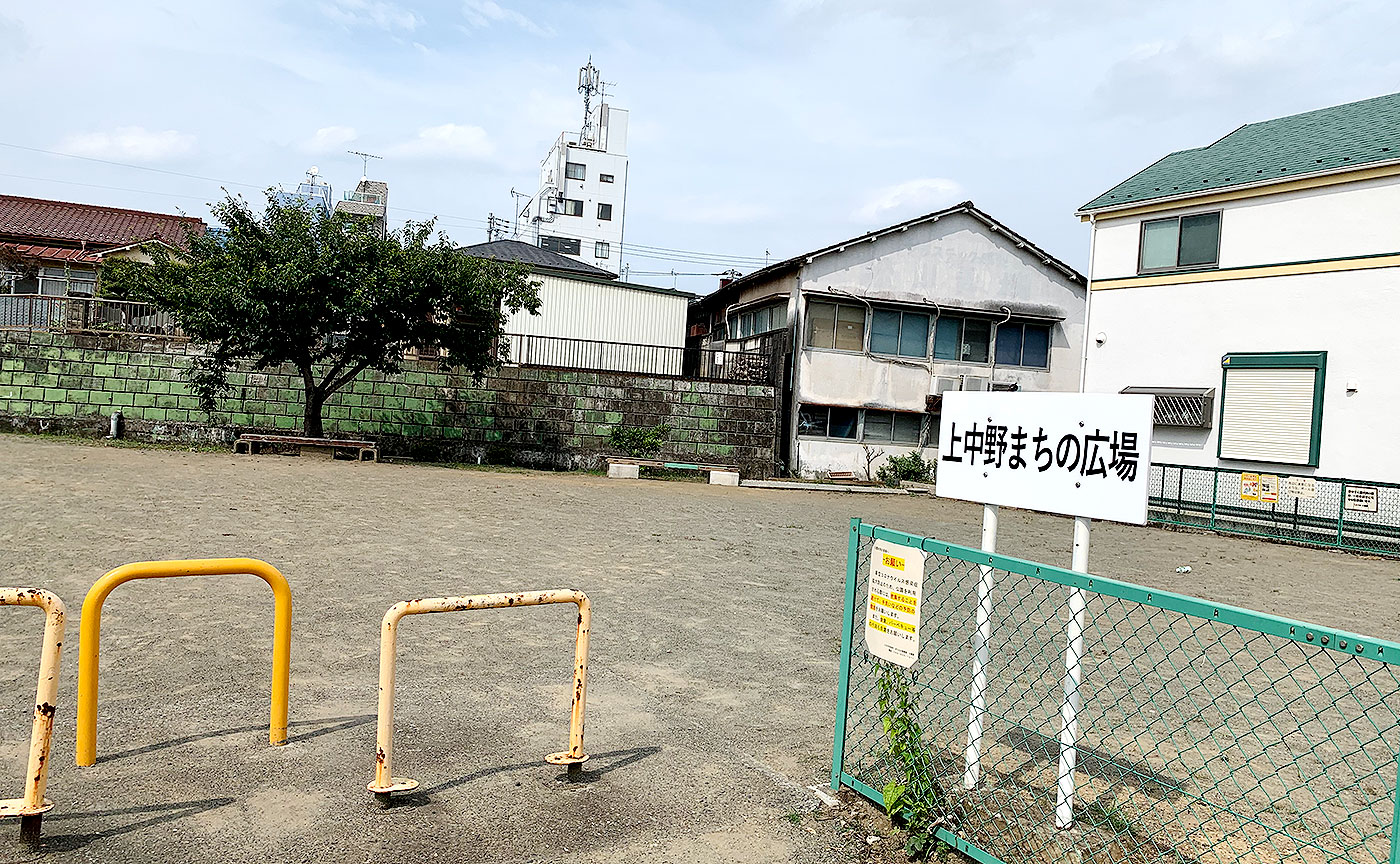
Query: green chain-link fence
[[1316, 511], [1205, 733]]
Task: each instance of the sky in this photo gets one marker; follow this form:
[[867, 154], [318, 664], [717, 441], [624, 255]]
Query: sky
[[759, 130]]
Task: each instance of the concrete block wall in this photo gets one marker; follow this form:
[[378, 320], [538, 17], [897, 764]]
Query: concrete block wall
[[543, 417]]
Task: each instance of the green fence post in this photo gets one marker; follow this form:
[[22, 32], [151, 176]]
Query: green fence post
[[1341, 510], [1394, 823], [1214, 494], [843, 684]]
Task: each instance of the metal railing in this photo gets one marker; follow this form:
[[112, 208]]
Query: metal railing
[[700, 363], [1204, 732], [1359, 515], [83, 314]]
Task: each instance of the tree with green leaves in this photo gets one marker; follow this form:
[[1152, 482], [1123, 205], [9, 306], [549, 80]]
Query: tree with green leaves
[[326, 294]]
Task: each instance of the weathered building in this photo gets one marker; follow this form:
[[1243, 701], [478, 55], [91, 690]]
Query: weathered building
[[872, 330]]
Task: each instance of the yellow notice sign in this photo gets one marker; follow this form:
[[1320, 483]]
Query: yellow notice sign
[[892, 603], [1249, 486]]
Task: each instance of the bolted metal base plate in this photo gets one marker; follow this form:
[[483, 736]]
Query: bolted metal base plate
[[396, 784], [565, 758], [15, 807]]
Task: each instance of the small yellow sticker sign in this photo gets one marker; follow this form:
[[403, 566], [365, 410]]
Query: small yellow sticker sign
[[893, 602]]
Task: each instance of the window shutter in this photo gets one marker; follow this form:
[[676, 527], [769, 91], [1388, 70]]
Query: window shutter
[[1267, 414]]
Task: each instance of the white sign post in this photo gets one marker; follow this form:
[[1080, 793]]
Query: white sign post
[[1080, 454]]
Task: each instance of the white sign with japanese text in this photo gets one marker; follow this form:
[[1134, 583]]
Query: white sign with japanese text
[[1078, 454], [893, 601]]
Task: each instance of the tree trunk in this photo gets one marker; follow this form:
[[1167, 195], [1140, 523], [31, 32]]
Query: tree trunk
[[314, 400]]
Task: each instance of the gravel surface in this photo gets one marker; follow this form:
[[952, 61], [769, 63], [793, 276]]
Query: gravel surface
[[712, 672]]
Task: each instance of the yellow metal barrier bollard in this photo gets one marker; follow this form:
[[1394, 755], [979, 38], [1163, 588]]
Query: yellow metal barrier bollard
[[33, 805], [384, 781], [91, 626]]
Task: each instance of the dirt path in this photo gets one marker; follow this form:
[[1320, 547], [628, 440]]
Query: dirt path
[[717, 617]]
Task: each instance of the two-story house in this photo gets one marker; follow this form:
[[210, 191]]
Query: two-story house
[[873, 330], [1253, 285]]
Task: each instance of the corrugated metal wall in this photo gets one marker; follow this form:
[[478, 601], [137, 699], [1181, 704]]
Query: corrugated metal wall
[[574, 309]]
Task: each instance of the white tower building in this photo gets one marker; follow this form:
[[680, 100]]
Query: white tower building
[[579, 208]]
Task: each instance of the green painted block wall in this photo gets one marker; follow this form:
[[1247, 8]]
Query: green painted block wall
[[559, 418]]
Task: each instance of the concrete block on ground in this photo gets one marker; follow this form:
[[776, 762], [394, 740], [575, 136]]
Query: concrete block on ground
[[724, 478], [618, 471]]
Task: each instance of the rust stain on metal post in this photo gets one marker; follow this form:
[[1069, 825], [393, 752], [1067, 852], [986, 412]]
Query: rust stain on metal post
[[384, 780], [32, 805], [90, 628]]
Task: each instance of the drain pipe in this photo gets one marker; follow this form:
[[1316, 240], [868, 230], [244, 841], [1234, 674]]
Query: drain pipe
[[992, 349]]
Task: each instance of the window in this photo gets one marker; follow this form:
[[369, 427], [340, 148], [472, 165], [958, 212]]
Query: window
[[601, 249], [1271, 407], [866, 425], [605, 212], [1021, 344], [962, 340], [756, 321], [574, 170], [573, 207], [900, 333], [822, 421], [562, 245], [1181, 241], [835, 325], [605, 178]]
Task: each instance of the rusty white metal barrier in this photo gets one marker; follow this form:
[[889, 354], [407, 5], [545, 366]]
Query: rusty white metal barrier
[[91, 627], [31, 807], [384, 781]]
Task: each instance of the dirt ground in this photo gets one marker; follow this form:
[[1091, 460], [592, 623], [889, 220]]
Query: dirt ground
[[717, 616]]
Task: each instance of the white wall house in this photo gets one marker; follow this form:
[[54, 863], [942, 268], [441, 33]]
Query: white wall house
[[1254, 285], [881, 325], [578, 208], [589, 319]]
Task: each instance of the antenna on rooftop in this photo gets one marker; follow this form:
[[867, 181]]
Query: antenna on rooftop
[[590, 83], [364, 162]]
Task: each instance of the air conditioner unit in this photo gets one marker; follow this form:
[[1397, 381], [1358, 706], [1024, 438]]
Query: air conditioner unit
[[975, 383], [942, 384]]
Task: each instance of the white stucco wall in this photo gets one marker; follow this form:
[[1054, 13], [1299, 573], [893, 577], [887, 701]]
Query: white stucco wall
[[958, 263], [822, 457], [1329, 222], [1175, 336]]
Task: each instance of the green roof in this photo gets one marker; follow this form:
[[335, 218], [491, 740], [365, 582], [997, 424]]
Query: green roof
[[1344, 136]]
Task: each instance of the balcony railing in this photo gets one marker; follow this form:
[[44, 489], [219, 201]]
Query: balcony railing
[[83, 314], [556, 352]]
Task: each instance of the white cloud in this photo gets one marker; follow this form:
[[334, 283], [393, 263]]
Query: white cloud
[[448, 141], [908, 199], [330, 138], [484, 13], [372, 13], [131, 143]]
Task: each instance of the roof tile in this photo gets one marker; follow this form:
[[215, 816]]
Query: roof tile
[[1354, 134], [42, 220]]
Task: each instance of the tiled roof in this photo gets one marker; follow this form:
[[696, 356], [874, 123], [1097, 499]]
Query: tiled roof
[[533, 256], [43, 220], [1344, 136], [50, 254]]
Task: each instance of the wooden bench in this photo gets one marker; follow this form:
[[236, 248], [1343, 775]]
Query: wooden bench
[[628, 468], [251, 444]]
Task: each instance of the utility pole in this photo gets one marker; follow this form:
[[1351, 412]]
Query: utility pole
[[515, 217], [495, 227]]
